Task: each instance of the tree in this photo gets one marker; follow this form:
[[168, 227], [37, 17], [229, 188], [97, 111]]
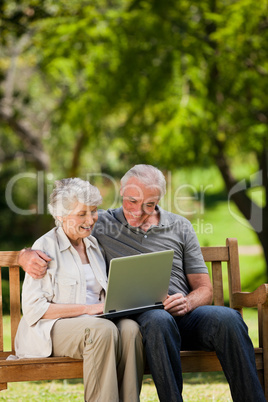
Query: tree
[[118, 82], [192, 79], [16, 35]]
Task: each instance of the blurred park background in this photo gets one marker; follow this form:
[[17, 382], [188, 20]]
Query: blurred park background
[[90, 88]]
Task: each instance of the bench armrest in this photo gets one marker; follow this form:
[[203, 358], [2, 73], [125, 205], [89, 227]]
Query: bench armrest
[[251, 299]]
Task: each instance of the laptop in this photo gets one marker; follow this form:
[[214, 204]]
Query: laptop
[[137, 283]]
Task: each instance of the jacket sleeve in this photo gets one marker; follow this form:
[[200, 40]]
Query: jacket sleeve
[[38, 293]]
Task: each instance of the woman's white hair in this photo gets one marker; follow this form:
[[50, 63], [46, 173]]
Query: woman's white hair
[[68, 192], [148, 175]]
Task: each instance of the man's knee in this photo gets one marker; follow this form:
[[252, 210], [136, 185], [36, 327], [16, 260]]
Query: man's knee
[[227, 316], [233, 322], [157, 322], [225, 319]]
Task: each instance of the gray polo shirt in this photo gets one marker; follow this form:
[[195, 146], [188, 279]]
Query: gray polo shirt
[[117, 239]]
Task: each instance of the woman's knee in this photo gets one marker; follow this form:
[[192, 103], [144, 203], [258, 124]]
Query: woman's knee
[[130, 335], [106, 329], [94, 331], [70, 337], [128, 328]]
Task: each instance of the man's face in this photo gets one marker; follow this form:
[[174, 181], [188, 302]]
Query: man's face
[[139, 201]]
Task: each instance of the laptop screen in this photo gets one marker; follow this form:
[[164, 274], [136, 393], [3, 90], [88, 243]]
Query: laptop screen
[[138, 281]]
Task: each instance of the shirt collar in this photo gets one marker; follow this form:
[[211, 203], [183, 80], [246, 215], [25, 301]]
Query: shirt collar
[[119, 215], [64, 242], [166, 218]]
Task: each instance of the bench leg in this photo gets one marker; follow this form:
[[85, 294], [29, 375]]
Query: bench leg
[[260, 375], [3, 385]]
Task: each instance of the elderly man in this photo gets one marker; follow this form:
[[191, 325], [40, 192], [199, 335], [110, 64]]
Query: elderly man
[[188, 320]]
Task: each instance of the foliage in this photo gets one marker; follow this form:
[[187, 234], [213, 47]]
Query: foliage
[[162, 82], [5, 296], [98, 86]]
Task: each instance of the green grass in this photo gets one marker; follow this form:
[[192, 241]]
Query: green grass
[[201, 387], [252, 274], [252, 271], [199, 195], [197, 387], [221, 221]]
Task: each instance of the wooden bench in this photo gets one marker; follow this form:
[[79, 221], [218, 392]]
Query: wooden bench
[[53, 368]]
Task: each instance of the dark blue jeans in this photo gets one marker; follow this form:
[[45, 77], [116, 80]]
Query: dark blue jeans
[[209, 328]]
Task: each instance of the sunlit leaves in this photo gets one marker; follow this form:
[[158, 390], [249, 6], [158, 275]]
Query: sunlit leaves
[[166, 79]]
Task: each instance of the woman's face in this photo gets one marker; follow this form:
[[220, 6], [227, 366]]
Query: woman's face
[[80, 221]]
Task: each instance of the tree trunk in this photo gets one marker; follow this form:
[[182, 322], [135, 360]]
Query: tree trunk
[[33, 143], [256, 216], [79, 147], [263, 235]]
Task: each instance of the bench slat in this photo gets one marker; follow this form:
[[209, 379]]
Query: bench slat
[[64, 367], [217, 283], [44, 370], [215, 253], [1, 315], [9, 258], [233, 274], [15, 312]]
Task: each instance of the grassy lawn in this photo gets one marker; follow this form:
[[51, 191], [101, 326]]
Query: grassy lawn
[[221, 221], [201, 387], [200, 196], [198, 387]]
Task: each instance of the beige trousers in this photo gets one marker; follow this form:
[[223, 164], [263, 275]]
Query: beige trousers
[[113, 356]]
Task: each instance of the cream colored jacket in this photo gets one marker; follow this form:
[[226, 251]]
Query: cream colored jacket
[[64, 282]]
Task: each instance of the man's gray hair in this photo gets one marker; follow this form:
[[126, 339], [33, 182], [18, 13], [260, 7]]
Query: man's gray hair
[[68, 192], [148, 175]]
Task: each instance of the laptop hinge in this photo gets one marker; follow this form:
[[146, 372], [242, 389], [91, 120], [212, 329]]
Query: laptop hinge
[[112, 311]]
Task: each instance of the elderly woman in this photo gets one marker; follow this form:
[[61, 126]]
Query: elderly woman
[[59, 311]]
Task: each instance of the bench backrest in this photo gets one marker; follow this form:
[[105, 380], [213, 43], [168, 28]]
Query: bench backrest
[[9, 259], [215, 255]]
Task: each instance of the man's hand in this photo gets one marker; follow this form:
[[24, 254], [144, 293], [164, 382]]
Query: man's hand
[[34, 262], [201, 294], [177, 305]]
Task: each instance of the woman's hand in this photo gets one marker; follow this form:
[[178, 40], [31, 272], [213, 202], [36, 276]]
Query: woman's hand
[[95, 309]]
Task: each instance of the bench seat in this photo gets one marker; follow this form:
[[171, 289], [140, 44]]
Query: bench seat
[[55, 368]]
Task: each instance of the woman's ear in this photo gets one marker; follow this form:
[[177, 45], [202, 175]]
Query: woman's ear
[[59, 219]]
